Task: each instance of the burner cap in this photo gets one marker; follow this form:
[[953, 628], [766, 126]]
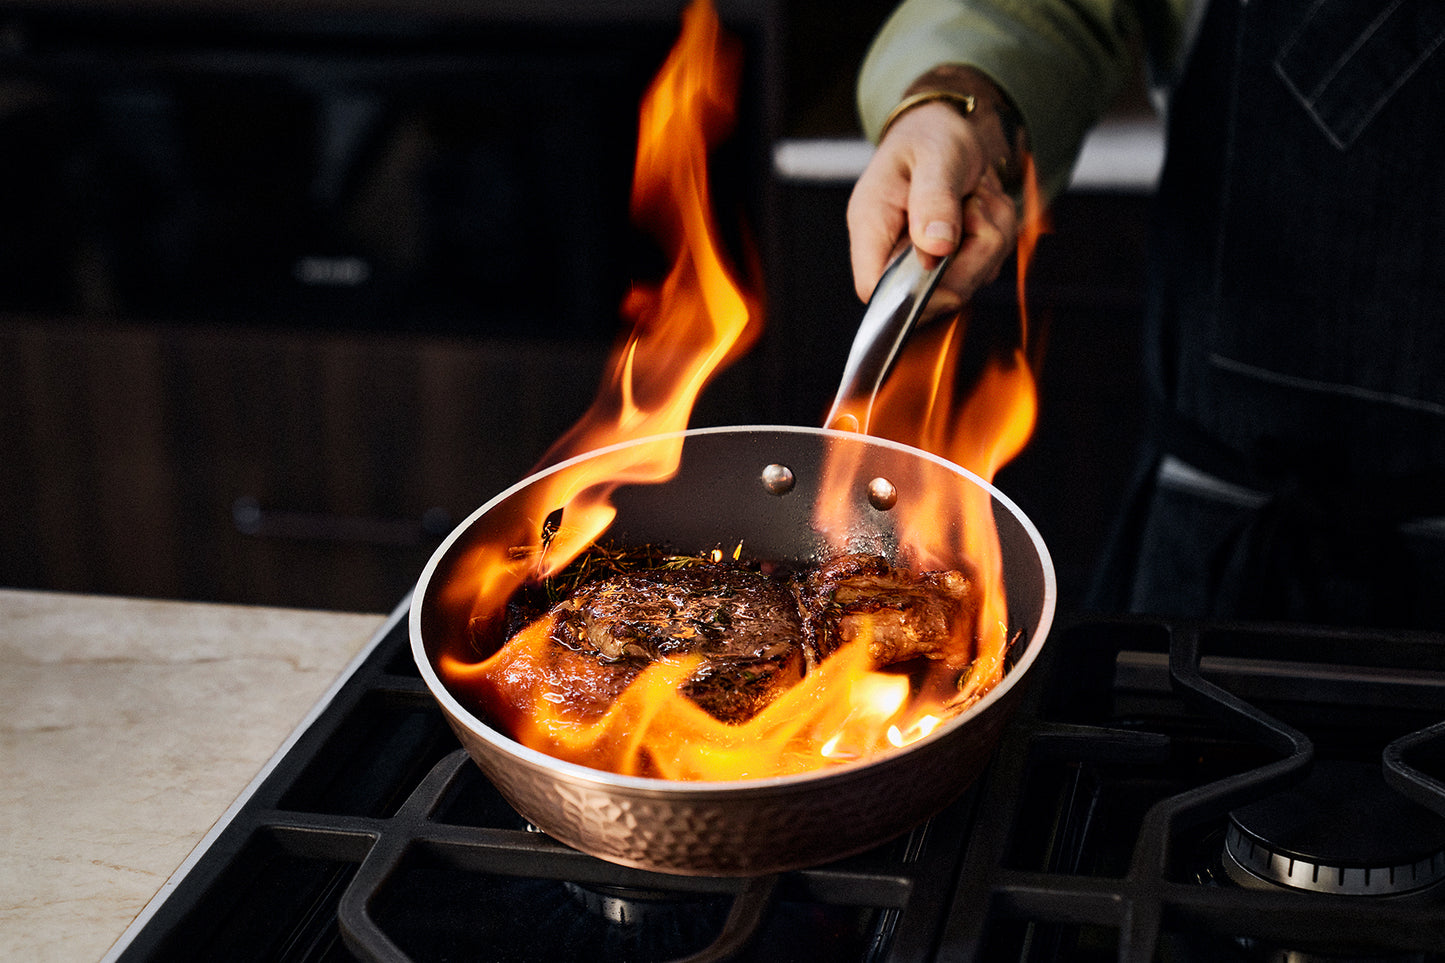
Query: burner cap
[[1341, 831]]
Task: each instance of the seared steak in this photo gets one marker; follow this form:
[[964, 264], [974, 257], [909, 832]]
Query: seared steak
[[745, 626], [901, 615], [756, 634]]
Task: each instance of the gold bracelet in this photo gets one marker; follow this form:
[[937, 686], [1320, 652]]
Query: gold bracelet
[[963, 103]]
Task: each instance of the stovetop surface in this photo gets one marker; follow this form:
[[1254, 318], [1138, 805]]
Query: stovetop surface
[[1096, 834]]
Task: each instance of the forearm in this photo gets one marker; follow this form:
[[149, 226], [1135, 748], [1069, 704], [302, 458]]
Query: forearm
[[998, 126], [1058, 64]]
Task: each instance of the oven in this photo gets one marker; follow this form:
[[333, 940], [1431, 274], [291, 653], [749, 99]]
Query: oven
[[1168, 791]]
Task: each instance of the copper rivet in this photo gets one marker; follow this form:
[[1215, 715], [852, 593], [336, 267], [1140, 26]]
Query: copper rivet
[[881, 494], [778, 479]]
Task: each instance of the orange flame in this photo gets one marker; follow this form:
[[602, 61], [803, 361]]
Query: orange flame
[[919, 405], [682, 332], [841, 712]]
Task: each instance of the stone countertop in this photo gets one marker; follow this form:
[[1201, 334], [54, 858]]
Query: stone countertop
[[127, 728]]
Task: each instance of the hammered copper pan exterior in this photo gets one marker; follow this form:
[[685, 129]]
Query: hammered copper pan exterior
[[754, 827]]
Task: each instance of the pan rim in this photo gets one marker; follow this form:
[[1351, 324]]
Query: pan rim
[[760, 786]]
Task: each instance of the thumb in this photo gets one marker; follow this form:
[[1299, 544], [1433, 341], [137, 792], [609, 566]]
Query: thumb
[[935, 215]]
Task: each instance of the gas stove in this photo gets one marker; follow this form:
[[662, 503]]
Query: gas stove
[[1170, 790]]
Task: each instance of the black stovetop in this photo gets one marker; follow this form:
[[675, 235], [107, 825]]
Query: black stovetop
[[1096, 834]]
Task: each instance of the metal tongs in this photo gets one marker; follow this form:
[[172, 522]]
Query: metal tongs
[[898, 301]]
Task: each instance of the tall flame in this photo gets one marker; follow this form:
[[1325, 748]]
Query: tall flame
[[682, 331], [920, 405]]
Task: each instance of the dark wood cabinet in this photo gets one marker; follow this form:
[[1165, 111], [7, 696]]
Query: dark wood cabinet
[[266, 466]]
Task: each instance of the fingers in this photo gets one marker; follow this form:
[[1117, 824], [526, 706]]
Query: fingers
[[990, 227], [935, 215], [911, 189], [877, 219], [928, 182]]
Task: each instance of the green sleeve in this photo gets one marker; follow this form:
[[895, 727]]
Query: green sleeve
[[1061, 62]]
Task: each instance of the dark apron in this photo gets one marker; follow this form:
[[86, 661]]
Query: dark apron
[[1296, 331]]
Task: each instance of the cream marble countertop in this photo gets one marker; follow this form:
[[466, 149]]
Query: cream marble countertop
[[127, 728]]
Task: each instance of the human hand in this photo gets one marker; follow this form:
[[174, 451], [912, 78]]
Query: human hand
[[933, 182]]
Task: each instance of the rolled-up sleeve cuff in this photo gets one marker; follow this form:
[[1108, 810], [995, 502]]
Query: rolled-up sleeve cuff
[[1054, 69]]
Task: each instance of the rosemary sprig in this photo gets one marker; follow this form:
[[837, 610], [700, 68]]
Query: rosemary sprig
[[604, 560]]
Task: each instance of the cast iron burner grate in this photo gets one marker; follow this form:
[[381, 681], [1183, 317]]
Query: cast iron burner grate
[[1100, 832], [1097, 834]]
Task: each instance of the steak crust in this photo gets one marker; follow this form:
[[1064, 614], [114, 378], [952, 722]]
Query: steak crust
[[757, 634], [744, 625], [902, 615]]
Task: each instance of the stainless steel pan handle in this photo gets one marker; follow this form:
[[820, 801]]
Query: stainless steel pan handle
[[897, 302]]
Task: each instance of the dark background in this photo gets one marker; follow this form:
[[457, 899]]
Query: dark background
[[287, 290]]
